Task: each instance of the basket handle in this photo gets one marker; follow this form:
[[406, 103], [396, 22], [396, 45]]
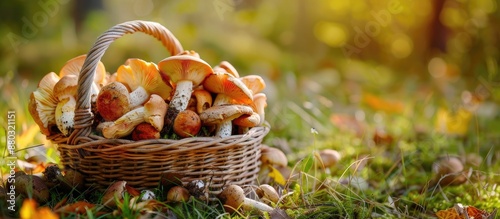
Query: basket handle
[[83, 115]]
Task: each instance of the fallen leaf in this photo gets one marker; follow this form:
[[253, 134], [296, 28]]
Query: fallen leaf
[[276, 176], [79, 207], [348, 123], [29, 210], [452, 123], [388, 106], [449, 213]]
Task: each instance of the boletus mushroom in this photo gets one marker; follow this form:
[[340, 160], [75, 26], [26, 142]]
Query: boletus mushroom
[[233, 198], [186, 72]]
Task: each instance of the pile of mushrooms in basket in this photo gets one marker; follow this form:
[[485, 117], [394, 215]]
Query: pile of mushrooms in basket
[[179, 97]]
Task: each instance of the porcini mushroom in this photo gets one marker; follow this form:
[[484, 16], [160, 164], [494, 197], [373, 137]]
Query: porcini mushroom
[[113, 101], [116, 190], [186, 72], [449, 170], [42, 104], [273, 156], [65, 91], [267, 194], [143, 79], [222, 115], [187, 124], [233, 198], [178, 194], [152, 112], [145, 131], [328, 158]]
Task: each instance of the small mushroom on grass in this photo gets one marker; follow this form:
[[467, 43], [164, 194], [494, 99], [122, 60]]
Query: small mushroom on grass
[[267, 194], [115, 191], [328, 158], [32, 186], [233, 198], [449, 170], [178, 194]]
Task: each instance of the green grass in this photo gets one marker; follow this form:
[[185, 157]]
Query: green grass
[[397, 176]]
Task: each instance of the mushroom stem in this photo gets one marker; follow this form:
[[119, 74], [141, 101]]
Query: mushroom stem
[[224, 129], [125, 124], [179, 102], [65, 114], [253, 204], [138, 97]]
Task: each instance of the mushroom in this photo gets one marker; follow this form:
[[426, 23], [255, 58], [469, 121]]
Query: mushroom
[[143, 79], [328, 158], [65, 91], [203, 100], [187, 124], [113, 101], [273, 157], [74, 66], [267, 194], [233, 198], [222, 115], [247, 121], [145, 131], [42, 104], [260, 102], [116, 190], [32, 186], [228, 88], [225, 66], [449, 171], [186, 72], [152, 112], [254, 83], [178, 194]]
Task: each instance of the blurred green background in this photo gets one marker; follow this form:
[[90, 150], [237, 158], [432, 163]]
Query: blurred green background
[[319, 57]]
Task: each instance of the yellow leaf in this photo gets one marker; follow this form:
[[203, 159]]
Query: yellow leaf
[[449, 213], [453, 124], [276, 176], [28, 210]]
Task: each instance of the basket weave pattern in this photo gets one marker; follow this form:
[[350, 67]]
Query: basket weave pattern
[[217, 161]]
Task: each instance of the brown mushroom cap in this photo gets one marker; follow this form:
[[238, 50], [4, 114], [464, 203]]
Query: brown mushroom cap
[[233, 198], [449, 171], [32, 185], [116, 189], [267, 193], [145, 131], [113, 101], [329, 157], [219, 114], [178, 194], [42, 104], [187, 124], [273, 156]]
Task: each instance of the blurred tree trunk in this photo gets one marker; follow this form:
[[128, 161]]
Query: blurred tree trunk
[[438, 32]]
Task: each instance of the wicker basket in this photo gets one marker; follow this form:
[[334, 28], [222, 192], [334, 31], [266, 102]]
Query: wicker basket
[[216, 161]]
